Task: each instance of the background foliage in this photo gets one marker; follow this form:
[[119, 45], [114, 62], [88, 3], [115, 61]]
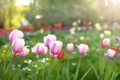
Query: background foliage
[[64, 11]]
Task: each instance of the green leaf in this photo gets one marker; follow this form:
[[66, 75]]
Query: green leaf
[[86, 73], [77, 70]]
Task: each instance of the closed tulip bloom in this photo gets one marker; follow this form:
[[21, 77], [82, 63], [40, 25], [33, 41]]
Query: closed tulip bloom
[[15, 34], [49, 38], [83, 48], [61, 54], [23, 53], [18, 45], [105, 42], [70, 47], [112, 52], [34, 50], [55, 47], [40, 48]]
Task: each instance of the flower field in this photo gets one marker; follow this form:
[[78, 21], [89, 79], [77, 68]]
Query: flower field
[[83, 55], [59, 40]]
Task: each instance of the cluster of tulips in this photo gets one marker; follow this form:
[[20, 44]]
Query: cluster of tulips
[[112, 52], [52, 45], [18, 43]]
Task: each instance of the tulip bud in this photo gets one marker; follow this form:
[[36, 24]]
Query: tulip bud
[[23, 53], [105, 42], [83, 48], [112, 52], [70, 47], [18, 45], [61, 54], [34, 50], [40, 48], [15, 34], [49, 38], [55, 48]]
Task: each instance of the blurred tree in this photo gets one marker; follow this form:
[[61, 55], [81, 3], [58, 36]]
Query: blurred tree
[[10, 14], [65, 11], [6, 13], [3, 11]]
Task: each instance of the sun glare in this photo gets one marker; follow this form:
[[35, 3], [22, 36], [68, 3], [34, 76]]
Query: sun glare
[[23, 2]]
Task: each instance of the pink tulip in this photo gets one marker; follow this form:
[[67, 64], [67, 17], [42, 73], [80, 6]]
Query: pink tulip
[[34, 50], [70, 47], [55, 48], [18, 45], [49, 38], [53, 55], [15, 34], [82, 48], [40, 48], [105, 42], [112, 52], [23, 53]]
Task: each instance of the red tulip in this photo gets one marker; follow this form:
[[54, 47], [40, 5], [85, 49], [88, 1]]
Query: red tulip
[[112, 52], [58, 25], [11, 28], [115, 49], [61, 54], [3, 31]]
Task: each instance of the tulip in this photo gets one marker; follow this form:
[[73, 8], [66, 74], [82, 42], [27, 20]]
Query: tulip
[[53, 55], [55, 47], [23, 53], [112, 52], [117, 39], [15, 34], [49, 38], [34, 50], [61, 54], [40, 48], [83, 48], [70, 47], [105, 42], [18, 45]]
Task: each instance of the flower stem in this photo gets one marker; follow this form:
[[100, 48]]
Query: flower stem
[[68, 69], [77, 70]]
